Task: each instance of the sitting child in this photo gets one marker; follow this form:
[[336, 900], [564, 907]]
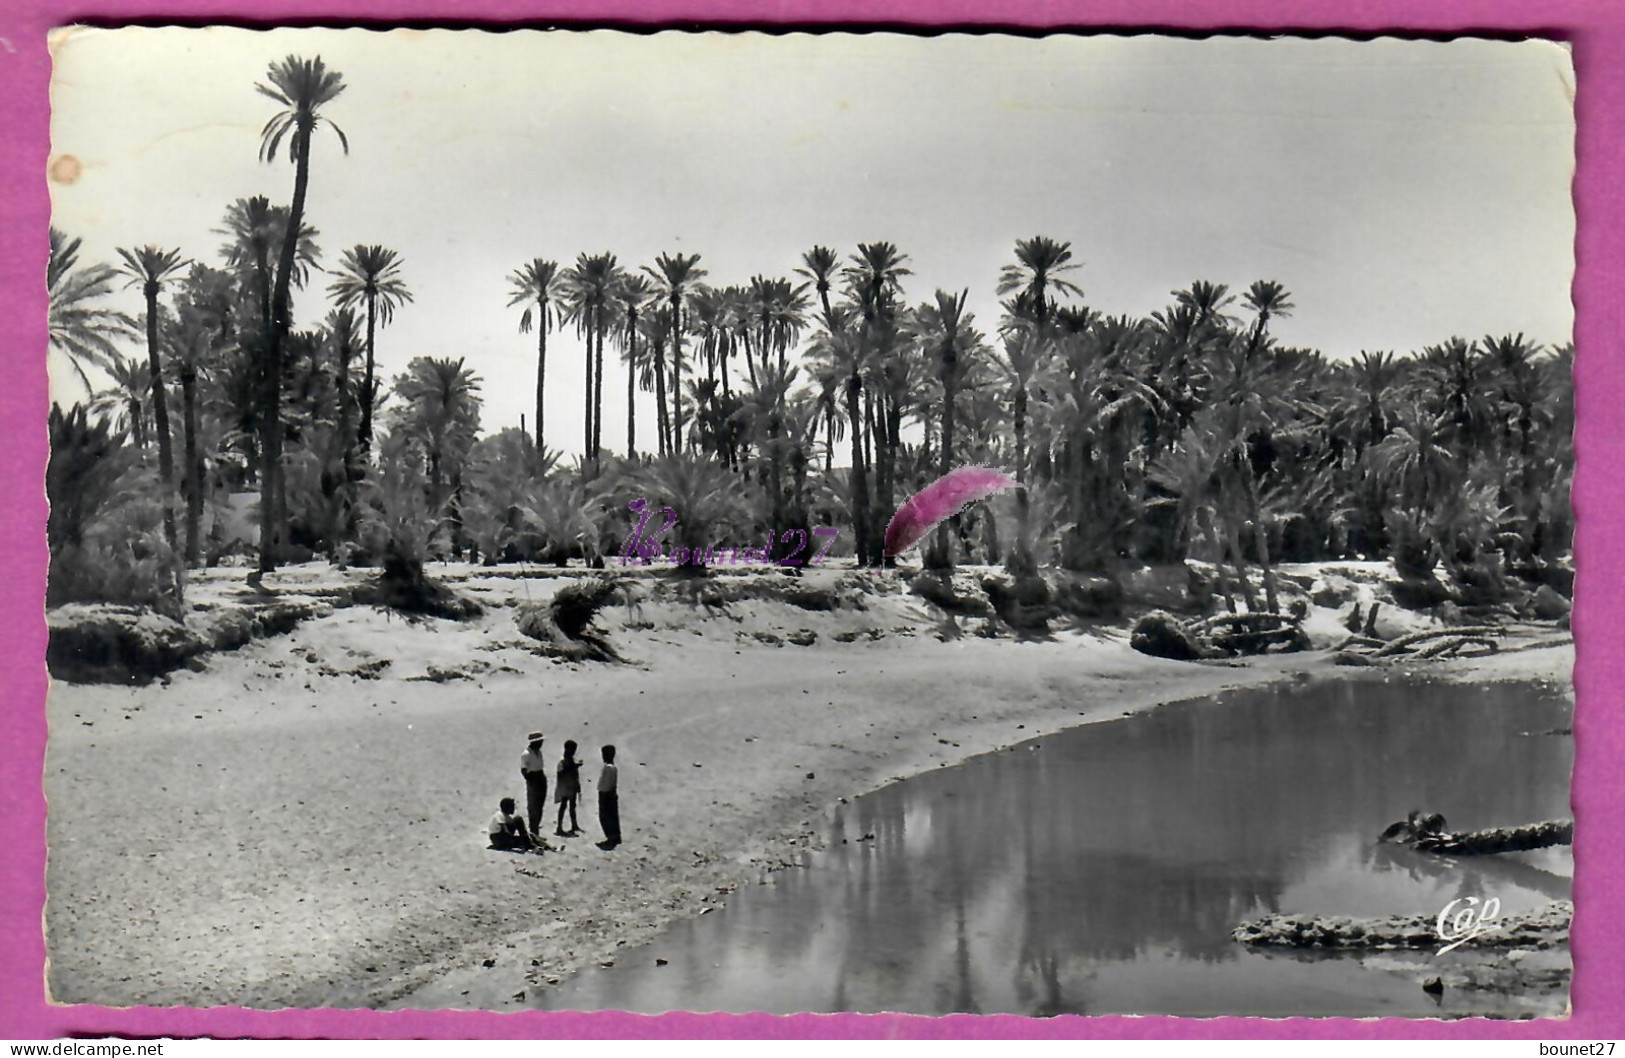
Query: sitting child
[[508, 832]]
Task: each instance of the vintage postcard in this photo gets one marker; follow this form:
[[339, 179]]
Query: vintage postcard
[[723, 521]]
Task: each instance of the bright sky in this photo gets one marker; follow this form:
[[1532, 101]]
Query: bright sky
[[1402, 191]]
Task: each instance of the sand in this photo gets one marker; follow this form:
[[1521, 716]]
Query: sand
[[302, 822]]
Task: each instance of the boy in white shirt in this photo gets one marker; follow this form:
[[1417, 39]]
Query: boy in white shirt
[[507, 830]]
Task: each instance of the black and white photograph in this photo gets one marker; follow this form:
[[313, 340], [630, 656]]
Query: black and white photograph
[[580, 519]]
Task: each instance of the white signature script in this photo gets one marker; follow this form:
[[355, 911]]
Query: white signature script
[[1456, 926]]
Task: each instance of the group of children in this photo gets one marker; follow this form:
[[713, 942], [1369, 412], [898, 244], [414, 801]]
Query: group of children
[[508, 830]]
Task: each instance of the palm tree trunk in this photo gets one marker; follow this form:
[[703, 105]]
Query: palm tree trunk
[[1022, 561], [347, 498], [364, 438], [662, 419], [166, 455], [541, 367], [892, 412], [194, 467], [1260, 536], [750, 361], [1233, 541], [138, 424], [677, 372], [1212, 532], [631, 391], [586, 397], [942, 556], [271, 514], [860, 478], [598, 393]]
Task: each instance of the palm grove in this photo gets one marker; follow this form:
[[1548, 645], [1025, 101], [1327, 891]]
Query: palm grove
[[780, 403]]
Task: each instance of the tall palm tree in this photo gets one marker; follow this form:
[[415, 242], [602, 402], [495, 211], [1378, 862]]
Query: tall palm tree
[[873, 279], [631, 295], [818, 267], [370, 276], [535, 286], [1267, 299], [840, 353], [206, 326], [80, 327], [674, 274], [591, 285], [1040, 273], [778, 312], [943, 328], [302, 87], [150, 267]]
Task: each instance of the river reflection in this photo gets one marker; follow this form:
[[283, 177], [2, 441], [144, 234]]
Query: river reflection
[[1101, 870]]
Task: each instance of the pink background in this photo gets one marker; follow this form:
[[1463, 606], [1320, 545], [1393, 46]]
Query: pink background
[[1597, 33]]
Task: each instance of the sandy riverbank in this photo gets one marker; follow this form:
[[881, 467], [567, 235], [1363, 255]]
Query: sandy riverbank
[[301, 823]]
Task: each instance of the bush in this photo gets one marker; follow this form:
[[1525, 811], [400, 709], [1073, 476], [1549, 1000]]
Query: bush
[[105, 529]]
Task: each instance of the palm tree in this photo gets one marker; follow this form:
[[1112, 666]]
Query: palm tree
[[150, 267], [1267, 299], [874, 284], [341, 327], [1040, 273], [535, 286], [1188, 473], [256, 229], [778, 311], [127, 403], [818, 266], [302, 87], [440, 410], [190, 341], [205, 327], [841, 354], [1024, 350], [1416, 459], [370, 275], [591, 285], [944, 330], [765, 410], [673, 276], [712, 501], [80, 328], [1208, 301], [631, 295]]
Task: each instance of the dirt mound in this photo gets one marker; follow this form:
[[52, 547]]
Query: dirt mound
[[408, 589], [108, 643], [564, 624]]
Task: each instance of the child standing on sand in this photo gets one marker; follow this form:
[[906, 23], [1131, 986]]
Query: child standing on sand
[[609, 803], [534, 771], [568, 790]]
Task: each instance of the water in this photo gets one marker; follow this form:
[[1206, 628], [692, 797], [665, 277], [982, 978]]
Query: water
[[1101, 870]]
